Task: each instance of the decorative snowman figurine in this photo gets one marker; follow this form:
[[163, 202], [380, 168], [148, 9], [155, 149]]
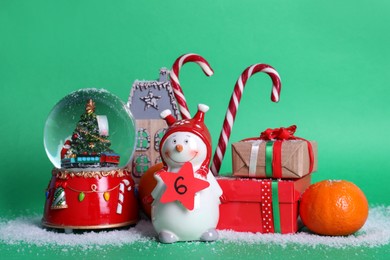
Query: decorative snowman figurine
[[186, 197]]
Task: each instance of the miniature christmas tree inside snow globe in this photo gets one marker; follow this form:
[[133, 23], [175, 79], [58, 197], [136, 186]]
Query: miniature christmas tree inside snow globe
[[89, 145], [90, 137]]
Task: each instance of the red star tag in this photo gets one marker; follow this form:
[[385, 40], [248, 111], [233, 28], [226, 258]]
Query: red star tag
[[182, 186]]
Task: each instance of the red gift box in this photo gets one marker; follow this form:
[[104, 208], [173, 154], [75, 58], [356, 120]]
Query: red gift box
[[265, 206]]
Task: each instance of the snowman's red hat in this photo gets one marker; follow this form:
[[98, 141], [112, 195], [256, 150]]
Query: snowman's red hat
[[194, 125]]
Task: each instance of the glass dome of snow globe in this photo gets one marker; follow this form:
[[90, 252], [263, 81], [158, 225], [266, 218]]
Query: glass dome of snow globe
[[90, 128]]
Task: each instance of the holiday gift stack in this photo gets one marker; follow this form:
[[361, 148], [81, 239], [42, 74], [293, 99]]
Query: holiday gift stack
[[270, 172]]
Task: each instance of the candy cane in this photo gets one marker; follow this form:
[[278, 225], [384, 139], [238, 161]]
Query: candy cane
[[233, 106], [122, 185], [174, 75]]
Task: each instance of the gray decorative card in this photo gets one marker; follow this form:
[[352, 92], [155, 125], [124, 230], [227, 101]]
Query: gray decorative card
[[149, 98], [146, 101]]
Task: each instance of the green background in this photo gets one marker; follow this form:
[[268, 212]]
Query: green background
[[333, 58]]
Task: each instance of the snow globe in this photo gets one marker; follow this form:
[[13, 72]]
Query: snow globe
[[89, 137]]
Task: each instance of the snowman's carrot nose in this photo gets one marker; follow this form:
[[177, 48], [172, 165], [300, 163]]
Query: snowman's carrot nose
[[179, 148]]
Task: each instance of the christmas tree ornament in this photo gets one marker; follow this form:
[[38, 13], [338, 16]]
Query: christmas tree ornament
[[186, 197], [106, 195], [81, 196], [124, 184], [59, 200], [89, 137]]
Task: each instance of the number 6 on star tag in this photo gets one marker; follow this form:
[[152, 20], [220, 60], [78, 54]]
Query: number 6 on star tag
[[182, 186]]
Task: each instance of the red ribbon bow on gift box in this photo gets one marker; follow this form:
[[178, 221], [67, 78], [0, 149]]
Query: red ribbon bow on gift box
[[279, 133]]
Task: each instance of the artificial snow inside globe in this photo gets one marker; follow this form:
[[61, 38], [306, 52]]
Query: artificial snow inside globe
[[89, 137]]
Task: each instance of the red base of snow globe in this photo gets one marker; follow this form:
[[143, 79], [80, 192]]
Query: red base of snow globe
[[90, 199]]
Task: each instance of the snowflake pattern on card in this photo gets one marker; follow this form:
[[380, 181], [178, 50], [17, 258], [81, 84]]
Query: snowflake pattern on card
[[150, 100]]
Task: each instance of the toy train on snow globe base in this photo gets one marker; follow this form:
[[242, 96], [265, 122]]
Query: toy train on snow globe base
[[90, 187], [91, 160]]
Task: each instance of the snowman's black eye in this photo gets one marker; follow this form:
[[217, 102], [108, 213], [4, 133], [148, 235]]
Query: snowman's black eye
[[186, 141], [174, 141]]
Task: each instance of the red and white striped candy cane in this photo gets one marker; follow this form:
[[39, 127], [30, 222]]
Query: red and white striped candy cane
[[124, 183], [233, 106], [174, 75]]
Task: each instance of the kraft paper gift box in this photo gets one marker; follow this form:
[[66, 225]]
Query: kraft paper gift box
[[261, 205], [280, 155]]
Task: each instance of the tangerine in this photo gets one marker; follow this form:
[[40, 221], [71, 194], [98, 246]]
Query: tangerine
[[333, 208], [146, 186]]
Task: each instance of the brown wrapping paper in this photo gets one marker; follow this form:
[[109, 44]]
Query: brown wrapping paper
[[295, 159]]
